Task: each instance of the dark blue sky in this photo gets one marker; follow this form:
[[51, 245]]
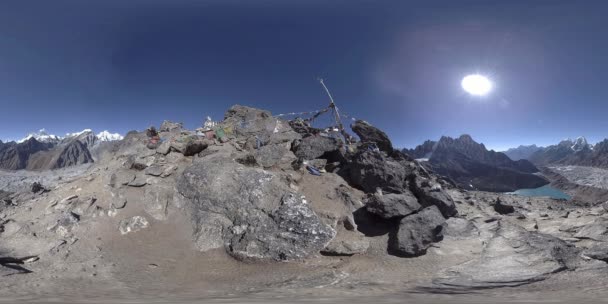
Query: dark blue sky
[[122, 65]]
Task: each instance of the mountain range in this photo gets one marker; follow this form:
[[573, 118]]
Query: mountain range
[[567, 152], [40, 150], [470, 165]]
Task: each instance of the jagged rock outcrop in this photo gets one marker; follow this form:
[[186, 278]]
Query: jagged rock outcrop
[[370, 134]]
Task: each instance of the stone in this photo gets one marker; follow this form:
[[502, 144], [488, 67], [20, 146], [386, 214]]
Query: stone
[[597, 252], [368, 133], [372, 170], [392, 205], [169, 126], [315, 146], [318, 163], [460, 228], [261, 217], [164, 148], [156, 200], [249, 123], [597, 230], [154, 170], [121, 177], [347, 243], [133, 224], [269, 155], [119, 202], [430, 193], [37, 187], [139, 181], [417, 232], [503, 208]]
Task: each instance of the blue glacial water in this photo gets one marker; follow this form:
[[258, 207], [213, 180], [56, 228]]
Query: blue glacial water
[[543, 191]]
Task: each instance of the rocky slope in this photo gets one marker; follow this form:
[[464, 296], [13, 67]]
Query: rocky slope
[[196, 218], [522, 152], [472, 166]]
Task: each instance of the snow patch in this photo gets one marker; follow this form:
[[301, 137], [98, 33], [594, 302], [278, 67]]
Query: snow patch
[[107, 136], [41, 136]]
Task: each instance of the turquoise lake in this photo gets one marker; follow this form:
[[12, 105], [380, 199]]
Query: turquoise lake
[[543, 191]]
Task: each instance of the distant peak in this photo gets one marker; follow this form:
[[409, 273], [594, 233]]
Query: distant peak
[[466, 137], [107, 136], [78, 133], [41, 136]]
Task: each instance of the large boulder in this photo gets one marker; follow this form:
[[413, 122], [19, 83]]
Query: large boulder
[[417, 232], [392, 205], [431, 193], [511, 257], [189, 146], [249, 210], [371, 170], [316, 146], [368, 133], [246, 122]]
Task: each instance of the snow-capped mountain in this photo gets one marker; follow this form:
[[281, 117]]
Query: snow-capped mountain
[[580, 144], [107, 136], [75, 134], [44, 137], [41, 136]]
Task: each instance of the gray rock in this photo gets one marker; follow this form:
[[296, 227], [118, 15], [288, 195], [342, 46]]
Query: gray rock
[[139, 181], [347, 243], [318, 163], [156, 200], [269, 155], [597, 252], [133, 224], [369, 133], [431, 193], [155, 170], [168, 171], [371, 170], [168, 126], [164, 148], [598, 231], [512, 257], [417, 232], [460, 228], [392, 205], [262, 218], [119, 202], [315, 146], [121, 177], [503, 208], [249, 123]]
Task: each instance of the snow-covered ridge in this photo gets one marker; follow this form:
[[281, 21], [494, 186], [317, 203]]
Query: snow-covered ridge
[[43, 136], [107, 136], [67, 135]]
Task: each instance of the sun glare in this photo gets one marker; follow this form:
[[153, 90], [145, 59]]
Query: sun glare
[[477, 85]]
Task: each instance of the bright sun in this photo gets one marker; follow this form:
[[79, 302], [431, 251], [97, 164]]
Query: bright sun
[[476, 84]]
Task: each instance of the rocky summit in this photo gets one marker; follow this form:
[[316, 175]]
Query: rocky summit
[[270, 205]]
